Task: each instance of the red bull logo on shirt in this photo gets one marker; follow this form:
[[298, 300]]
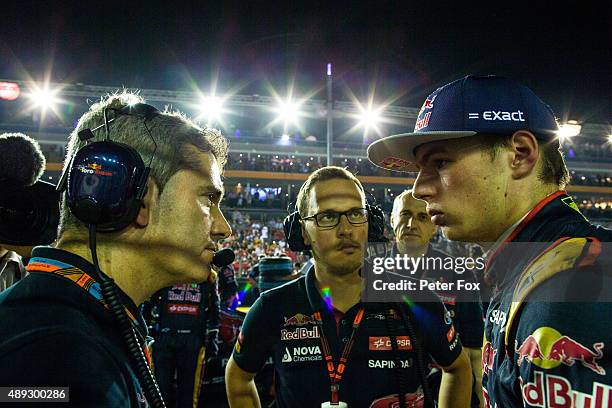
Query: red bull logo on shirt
[[299, 320], [547, 348], [300, 333], [554, 391]]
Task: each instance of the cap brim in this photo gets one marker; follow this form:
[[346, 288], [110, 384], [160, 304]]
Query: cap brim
[[397, 152]]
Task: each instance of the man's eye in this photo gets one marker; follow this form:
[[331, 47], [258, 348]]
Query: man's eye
[[328, 216], [210, 198], [441, 163], [423, 217]]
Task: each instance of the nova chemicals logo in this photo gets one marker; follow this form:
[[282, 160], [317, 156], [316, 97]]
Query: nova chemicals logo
[[302, 354]]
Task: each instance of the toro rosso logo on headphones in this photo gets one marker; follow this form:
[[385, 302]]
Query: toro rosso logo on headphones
[[94, 168]]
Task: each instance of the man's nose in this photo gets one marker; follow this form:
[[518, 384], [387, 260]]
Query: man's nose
[[410, 222], [344, 226], [220, 228], [423, 188]]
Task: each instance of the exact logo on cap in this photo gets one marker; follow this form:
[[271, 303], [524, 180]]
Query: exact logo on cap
[[499, 115]]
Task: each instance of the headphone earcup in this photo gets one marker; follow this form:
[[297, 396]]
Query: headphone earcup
[[293, 233], [376, 224], [104, 183]]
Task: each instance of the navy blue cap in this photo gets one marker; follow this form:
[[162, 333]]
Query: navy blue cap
[[467, 107]]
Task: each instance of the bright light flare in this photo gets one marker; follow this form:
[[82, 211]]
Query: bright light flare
[[288, 112], [569, 129], [211, 109], [369, 118], [44, 98]]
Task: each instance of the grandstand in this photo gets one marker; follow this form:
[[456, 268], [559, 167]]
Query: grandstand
[[270, 158]]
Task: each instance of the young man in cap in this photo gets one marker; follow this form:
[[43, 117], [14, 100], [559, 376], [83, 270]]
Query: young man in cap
[[491, 171], [412, 232], [328, 347]]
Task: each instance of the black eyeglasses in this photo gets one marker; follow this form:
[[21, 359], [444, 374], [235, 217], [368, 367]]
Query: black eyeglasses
[[329, 219]]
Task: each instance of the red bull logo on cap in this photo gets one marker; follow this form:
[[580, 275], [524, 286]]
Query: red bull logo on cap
[[547, 348], [394, 163]]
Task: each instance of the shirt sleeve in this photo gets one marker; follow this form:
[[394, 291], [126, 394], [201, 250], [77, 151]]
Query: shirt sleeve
[[256, 338], [439, 335], [563, 350]]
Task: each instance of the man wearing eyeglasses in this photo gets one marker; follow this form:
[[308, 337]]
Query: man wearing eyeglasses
[[328, 347]]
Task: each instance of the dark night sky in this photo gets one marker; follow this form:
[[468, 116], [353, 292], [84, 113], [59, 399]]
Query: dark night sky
[[404, 48]]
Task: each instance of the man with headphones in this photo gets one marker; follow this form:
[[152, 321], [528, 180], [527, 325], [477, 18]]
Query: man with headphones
[[328, 347], [185, 331], [127, 230]]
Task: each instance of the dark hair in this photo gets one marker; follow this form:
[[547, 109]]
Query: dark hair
[[21, 160], [553, 169]]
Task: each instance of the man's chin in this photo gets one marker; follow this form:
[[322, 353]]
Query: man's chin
[[454, 233]]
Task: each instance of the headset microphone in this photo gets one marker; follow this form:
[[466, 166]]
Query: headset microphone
[[223, 257]]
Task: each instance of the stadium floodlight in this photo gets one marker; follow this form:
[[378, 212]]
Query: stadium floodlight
[[285, 137], [569, 129], [211, 109], [610, 138], [44, 98], [369, 117], [288, 112]]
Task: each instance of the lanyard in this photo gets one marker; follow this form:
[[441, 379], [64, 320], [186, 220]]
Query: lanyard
[[335, 373], [80, 278]]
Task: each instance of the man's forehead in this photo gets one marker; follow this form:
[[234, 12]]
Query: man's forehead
[[208, 171], [331, 193], [408, 202]]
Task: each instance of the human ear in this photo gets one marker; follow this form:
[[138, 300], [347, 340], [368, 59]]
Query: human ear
[[525, 153], [150, 199]]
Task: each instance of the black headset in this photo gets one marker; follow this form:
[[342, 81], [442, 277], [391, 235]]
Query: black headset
[[295, 240], [105, 183]]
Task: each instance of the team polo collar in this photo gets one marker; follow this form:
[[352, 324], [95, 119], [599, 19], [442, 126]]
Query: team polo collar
[[85, 266], [540, 225], [314, 297]]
